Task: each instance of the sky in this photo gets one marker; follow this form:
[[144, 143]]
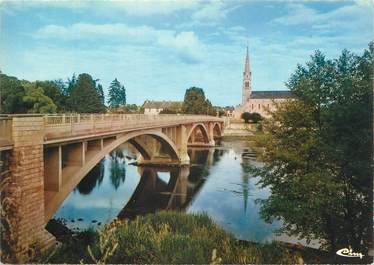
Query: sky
[[158, 49]]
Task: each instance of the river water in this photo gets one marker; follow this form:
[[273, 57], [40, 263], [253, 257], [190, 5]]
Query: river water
[[217, 183]]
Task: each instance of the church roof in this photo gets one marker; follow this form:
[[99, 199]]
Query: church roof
[[271, 94], [150, 104]]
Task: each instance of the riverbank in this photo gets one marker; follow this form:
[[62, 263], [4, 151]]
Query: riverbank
[[167, 237], [237, 128]]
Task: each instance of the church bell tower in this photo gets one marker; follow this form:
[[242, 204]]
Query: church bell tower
[[247, 77]]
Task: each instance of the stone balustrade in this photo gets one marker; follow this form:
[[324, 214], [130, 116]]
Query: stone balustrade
[[58, 126]]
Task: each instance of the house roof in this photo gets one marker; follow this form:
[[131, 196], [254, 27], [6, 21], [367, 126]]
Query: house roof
[[271, 94], [150, 104]]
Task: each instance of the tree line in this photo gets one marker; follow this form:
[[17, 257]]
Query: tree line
[[84, 94], [81, 94]]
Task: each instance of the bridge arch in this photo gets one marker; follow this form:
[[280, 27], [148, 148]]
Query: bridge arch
[[52, 204], [202, 128], [217, 131]]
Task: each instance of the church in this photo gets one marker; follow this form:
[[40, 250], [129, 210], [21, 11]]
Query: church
[[257, 101]]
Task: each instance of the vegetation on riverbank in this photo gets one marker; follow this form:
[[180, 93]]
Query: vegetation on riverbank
[[317, 152], [166, 237]]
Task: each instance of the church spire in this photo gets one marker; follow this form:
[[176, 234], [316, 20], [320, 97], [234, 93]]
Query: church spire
[[247, 76], [246, 67]]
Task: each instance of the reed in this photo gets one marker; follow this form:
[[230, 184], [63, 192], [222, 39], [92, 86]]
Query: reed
[[168, 237]]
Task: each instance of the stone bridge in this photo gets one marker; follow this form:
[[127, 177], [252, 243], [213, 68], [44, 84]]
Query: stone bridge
[[49, 155]]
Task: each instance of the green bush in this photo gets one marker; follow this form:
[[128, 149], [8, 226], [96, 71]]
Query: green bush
[[255, 117], [246, 116], [170, 237]]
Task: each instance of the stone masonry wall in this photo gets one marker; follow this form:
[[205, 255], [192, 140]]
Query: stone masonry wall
[[27, 186]]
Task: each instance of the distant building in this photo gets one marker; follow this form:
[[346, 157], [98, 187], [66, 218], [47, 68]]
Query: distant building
[[229, 111], [155, 107], [257, 101]]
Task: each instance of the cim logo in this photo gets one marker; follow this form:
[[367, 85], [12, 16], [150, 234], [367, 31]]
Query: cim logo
[[348, 252]]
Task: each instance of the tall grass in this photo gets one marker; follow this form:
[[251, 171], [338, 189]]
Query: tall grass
[[169, 237]]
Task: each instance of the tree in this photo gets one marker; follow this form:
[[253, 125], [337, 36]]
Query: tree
[[117, 94], [221, 112], [37, 101], [11, 95], [210, 110], [131, 108], [54, 92], [195, 102], [246, 116], [317, 153], [168, 111], [100, 91], [84, 96], [255, 117], [70, 84]]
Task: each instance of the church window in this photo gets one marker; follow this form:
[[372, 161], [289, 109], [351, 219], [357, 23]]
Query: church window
[[247, 84], [259, 106], [252, 106]]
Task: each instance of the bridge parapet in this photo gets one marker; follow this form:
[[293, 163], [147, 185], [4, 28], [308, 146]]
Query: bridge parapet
[[62, 126], [59, 126]]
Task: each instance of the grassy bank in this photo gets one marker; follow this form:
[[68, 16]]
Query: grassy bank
[[166, 237], [255, 136]]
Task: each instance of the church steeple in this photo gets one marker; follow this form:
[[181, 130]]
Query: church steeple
[[246, 66], [247, 76]]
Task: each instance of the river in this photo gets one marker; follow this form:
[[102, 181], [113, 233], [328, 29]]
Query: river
[[217, 183]]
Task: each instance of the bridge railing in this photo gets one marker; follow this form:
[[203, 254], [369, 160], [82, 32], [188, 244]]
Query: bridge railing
[[70, 125], [86, 118]]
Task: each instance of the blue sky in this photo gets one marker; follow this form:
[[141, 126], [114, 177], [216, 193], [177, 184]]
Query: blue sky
[[158, 49]]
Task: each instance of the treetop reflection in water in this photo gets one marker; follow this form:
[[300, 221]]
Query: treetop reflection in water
[[216, 183]]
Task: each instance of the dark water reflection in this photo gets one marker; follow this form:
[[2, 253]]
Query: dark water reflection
[[217, 183]]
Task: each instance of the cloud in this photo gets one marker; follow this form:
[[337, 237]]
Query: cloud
[[347, 17], [202, 10], [297, 14], [152, 7], [86, 31], [348, 26], [185, 44], [132, 7], [211, 11]]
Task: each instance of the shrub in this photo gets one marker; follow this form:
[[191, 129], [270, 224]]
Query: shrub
[[168, 111], [255, 117], [246, 116], [170, 237]]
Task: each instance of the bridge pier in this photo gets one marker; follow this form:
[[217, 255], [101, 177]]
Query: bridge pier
[[27, 188], [154, 152], [53, 158], [182, 144], [211, 134]]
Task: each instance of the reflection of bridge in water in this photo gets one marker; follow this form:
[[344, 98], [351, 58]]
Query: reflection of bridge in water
[[154, 193]]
